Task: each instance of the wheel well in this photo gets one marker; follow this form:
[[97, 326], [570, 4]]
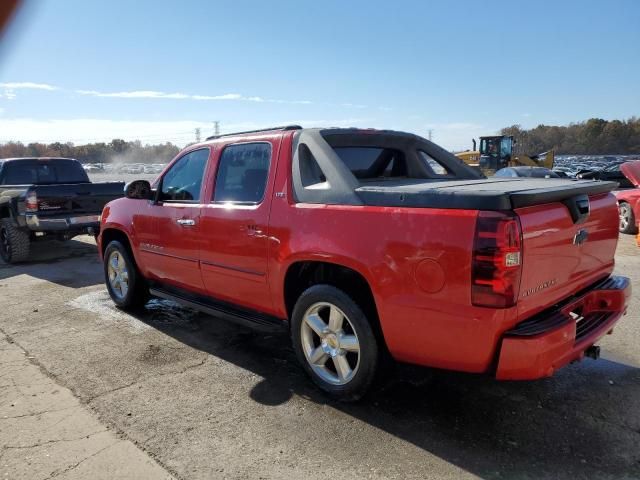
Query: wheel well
[[112, 234], [4, 211], [302, 275]]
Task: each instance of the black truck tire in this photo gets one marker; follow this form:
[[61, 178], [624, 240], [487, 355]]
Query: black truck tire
[[14, 242], [321, 301], [128, 288]]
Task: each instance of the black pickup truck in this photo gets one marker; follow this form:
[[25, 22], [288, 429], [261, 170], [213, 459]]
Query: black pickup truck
[[48, 197]]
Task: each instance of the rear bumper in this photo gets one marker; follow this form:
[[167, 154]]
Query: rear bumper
[[539, 346], [72, 223]]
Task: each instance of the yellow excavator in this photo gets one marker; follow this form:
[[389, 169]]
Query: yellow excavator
[[497, 152]]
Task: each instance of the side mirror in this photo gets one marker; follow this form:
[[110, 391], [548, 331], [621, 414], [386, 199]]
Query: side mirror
[[138, 190]]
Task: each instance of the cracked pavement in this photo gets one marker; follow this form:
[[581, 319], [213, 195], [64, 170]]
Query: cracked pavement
[[45, 432], [88, 390]]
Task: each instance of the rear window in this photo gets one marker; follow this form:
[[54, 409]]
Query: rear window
[[373, 162], [41, 172], [68, 171]]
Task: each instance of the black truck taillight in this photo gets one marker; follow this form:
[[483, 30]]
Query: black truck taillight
[[497, 260], [31, 202]]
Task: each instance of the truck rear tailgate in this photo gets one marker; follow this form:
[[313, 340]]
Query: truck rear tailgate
[[562, 256], [78, 198]]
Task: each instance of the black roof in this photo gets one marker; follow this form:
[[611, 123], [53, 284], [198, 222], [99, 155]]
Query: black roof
[[13, 159]]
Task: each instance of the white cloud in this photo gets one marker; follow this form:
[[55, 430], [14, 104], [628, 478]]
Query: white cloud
[[185, 96], [8, 94], [134, 94], [352, 105], [27, 86]]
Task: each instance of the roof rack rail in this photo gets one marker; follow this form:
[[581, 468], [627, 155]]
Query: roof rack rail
[[284, 128]]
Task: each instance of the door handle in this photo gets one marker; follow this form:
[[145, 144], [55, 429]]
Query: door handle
[[186, 222], [253, 229]]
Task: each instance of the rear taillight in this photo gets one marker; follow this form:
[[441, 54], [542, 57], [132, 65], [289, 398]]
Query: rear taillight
[[31, 202], [497, 258]]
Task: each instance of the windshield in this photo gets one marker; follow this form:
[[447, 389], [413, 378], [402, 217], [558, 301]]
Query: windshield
[[490, 146]]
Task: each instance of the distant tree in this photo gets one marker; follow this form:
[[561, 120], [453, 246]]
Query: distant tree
[[595, 136], [117, 150]]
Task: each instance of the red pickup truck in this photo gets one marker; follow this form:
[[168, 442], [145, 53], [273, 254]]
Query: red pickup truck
[[365, 243]]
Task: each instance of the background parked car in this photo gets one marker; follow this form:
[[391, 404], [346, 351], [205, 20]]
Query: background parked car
[[532, 172], [48, 197], [610, 172], [629, 199]]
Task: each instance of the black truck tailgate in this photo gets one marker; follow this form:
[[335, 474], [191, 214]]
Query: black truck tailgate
[[485, 194], [75, 198]]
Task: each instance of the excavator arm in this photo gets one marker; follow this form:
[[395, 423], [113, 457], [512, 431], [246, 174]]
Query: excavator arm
[[544, 159]]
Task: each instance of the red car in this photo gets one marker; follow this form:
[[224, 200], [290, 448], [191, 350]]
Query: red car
[[369, 243], [629, 200]]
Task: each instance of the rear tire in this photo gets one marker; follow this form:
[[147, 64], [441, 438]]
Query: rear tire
[[627, 219], [15, 243], [126, 286], [334, 342]]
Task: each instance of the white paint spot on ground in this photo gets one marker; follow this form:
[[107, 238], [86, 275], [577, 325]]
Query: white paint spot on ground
[[99, 303]]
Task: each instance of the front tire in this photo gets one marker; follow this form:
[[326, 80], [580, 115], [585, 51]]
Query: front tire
[[15, 243], [126, 286], [627, 219], [334, 342]]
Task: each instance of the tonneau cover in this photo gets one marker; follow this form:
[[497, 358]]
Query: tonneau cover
[[486, 194]]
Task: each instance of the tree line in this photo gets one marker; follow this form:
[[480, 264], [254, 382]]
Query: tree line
[[593, 137], [116, 151]]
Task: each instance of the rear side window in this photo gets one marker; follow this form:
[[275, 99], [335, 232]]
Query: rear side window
[[368, 163], [437, 168], [242, 173], [183, 180]]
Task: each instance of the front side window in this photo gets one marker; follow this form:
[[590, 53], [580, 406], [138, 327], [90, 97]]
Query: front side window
[[242, 173], [183, 180]]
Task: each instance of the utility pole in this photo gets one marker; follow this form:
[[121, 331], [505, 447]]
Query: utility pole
[[216, 128], [197, 135]]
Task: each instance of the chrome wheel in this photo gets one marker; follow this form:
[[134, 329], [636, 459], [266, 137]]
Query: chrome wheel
[[330, 343], [625, 215], [118, 275]]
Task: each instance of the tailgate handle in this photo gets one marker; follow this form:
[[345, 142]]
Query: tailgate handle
[[578, 208]]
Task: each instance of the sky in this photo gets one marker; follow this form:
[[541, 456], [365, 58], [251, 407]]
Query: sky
[[86, 71]]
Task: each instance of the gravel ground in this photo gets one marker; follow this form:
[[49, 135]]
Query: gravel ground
[[207, 399]]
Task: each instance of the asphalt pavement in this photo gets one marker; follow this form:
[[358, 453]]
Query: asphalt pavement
[[198, 398]]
